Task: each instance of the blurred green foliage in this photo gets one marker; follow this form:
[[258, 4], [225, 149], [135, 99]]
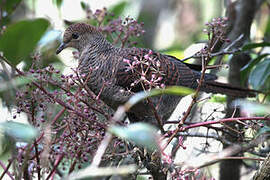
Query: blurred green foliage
[[141, 134], [20, 39], [7, 8], [172, 90], [260, 75], [12, 132], [58, 3]]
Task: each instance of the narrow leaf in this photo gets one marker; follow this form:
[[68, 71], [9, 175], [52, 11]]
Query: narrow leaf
[[19, 131], [263, 130], [83, 5], [173, 90], [247, 68], [260, 74], [252, 107], [141, 134], [255, 45]]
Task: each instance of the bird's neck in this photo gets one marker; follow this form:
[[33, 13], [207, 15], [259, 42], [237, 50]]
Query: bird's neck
[[96, 45]]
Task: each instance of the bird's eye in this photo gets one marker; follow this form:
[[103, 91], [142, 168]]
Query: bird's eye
[[74, 36]]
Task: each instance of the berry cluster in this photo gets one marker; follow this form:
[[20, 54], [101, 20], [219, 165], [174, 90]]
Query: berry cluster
[[122, 32], [145, 68]]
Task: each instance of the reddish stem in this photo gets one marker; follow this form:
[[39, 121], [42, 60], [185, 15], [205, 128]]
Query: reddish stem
[[225, 120], [6, 169]]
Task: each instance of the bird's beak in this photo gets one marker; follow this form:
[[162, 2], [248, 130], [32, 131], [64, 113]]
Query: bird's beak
[[60, 48]]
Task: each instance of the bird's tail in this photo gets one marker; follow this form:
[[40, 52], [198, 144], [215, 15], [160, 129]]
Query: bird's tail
[[217, 87]]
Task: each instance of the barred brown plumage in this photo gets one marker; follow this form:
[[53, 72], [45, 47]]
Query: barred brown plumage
[[129, 70]]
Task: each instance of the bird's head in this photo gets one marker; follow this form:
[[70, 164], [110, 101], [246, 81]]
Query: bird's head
[[78, 36]]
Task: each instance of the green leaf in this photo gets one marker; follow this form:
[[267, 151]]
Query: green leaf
[[58, 3], [6, 143], [218, 98], [176, 53], [9, 5], [260, 74], [90, 173], [247, 68], [83, 5], [255, 45], [267, 28], [252, 107], [173, 90], [19, 81], [19, 131], [20, 39], [118, 9], [263, 130], [141, 134]]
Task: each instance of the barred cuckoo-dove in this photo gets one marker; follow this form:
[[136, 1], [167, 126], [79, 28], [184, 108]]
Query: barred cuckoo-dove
[[126, 71]]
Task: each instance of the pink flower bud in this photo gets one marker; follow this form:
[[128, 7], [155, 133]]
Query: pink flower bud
[[143, 78], [126, 61], [138, 62], [146, 56], [158, 64], [159, 78]]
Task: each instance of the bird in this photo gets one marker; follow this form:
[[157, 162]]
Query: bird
[[115, 73]]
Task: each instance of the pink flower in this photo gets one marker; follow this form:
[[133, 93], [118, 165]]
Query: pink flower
[[146, 56], [126, 60], [158, 64], [159, 78], [143, 78]]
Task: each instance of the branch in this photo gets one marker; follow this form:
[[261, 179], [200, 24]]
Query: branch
[[225, 120], [59, 101], [222, 52], [207, 160], [202, 135]]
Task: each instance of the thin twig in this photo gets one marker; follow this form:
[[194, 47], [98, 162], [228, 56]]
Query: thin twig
[[59, 159], [225, 120], [38, 160], [6, 169], [222, 52], [59, 101], [200, 162]]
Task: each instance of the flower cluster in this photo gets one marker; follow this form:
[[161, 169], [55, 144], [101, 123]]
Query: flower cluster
[[76, 129], [125, 29], [216, 32], [146, 71], [100, 15], [123, 32], [216, 29], [63, 105]]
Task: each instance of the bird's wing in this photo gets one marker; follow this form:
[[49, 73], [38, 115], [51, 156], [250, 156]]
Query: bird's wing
[[140, 65]]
